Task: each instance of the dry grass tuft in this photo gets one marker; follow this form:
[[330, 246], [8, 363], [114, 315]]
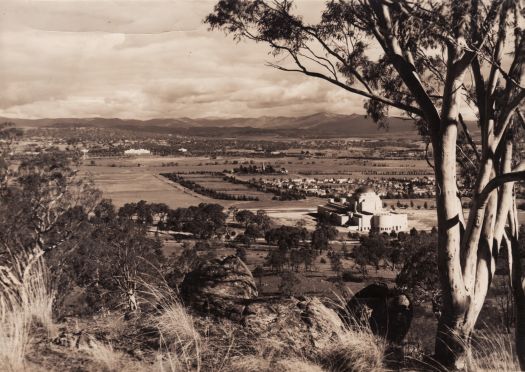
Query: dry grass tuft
[[250, 363], [358, 350], [104, 355], [25, 301], [260, 364], [177, 327], [14, 337], [491, 350], [38, 297], [293, 365], [179, 338]]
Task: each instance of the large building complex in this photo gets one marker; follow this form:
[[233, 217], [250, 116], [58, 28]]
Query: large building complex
[[363, 212]]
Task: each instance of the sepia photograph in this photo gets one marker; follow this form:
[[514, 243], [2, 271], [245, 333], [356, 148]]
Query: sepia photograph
[[262, 185]]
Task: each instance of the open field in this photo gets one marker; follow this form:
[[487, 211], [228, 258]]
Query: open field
[[217, 183], [297, 167], [124, 185], [131, 179]]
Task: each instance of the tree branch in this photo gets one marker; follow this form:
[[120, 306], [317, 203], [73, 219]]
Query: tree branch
[[406, 71], [469, 137], [517, 175], [302, 69]]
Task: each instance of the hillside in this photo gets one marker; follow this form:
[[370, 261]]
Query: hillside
[[316, 125]]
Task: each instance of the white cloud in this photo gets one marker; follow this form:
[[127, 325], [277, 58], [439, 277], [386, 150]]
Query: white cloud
[[143, 59]]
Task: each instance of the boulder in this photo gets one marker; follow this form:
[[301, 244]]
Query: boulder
[[292, 325], [388, 312], [221, 287]]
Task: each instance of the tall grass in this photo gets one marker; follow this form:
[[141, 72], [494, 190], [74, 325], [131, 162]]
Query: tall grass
[[492, 350], [187, 347], [37, 296], [107, 357], [259, 364], [14, 336], [25, 300], [356, 350], [179, 339]]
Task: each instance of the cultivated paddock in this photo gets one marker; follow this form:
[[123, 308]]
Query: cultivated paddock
[[133, 179]]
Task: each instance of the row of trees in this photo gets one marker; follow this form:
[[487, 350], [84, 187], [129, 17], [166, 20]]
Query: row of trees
[[203, 221], [206, 191], [295, 246]]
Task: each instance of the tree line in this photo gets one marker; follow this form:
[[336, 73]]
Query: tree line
[[206, 191]]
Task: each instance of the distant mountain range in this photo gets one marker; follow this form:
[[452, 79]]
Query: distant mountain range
[[318, 125]]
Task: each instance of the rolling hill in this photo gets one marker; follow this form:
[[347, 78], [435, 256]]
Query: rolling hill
[[313, 126]]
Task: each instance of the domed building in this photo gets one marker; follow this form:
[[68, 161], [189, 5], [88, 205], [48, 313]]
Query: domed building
[[363, 212], [366, 200]]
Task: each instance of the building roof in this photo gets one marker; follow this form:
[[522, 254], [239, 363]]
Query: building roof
[[364, 190]]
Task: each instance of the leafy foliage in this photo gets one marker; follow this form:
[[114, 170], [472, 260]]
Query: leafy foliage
[[419, 273]]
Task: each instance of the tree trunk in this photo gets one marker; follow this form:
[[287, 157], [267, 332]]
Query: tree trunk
[[452, 337], [450, 340], [518, 290], [495, 216], [518, 284]]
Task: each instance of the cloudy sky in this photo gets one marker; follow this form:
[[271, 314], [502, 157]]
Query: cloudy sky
[[144, 59]]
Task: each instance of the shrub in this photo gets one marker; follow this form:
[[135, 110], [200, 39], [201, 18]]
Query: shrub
[[289, 285], [348, 276]]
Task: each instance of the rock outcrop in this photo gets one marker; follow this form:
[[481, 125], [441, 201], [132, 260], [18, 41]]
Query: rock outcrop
[[296, 325], [221, 287], [388, 312]]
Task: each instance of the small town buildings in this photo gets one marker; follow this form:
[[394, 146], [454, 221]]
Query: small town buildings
[[137, 152], [363, 212]]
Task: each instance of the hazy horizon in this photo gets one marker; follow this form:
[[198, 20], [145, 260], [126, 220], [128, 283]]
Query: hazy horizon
[[197, 117]]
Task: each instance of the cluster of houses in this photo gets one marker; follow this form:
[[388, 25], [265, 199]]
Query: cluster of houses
[[390, 188]]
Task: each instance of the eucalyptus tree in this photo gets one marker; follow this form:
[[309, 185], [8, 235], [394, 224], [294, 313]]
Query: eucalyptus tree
[[434, 61]]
